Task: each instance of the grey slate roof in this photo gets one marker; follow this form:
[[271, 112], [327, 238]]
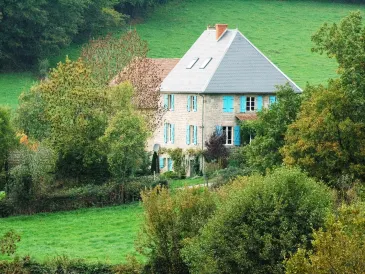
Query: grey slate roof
[[237, 67]]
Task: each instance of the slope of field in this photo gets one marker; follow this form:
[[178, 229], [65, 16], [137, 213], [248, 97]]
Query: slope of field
[[98, 234], [280, 29]]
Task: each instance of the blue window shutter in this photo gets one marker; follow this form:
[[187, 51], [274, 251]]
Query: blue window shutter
[[172, 133], [189, 103], [161, 162], [272, 99], [188, 135], [169, 164], [231, 103], [237, 136], [172, 102], [243, 104], [195, 135], [225, 109], [166, 101], [165, 133], [195, 98], [259, 103]]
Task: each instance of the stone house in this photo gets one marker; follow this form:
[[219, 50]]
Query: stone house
[[222, 78]]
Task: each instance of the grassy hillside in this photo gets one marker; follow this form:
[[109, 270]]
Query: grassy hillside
[[100, 234], [280, 29]]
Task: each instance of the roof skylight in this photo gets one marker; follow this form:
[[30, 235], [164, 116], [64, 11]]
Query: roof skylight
[[192, 63], [206, 62]]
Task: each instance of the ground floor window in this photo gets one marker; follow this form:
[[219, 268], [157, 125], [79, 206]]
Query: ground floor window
[[227, 131]]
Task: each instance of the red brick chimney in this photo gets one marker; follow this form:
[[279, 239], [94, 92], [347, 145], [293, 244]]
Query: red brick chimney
[[219, 30]]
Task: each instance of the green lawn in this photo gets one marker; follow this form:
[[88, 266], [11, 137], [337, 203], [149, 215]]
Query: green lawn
[[173, 184], [280, 29], [11, 85], [98, 234]]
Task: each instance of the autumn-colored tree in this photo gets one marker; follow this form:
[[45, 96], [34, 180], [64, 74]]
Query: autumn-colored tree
[[328, 139], [263, 152], [113, 60], [337, 248]]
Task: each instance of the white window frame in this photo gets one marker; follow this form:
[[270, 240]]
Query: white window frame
[[250, 103], [169, 101], [228, 141], [169, 132]]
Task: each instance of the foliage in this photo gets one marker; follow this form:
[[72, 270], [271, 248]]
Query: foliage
[[178, 157], [227, 175], [32, 29], [125, 135], [32, 176], [114, 60], [8, 242], [2, 195], [7, 141], [169, 222], [259, 224], [215, 150], [262, 153], [345, 43], [328, 139], [339, 247]]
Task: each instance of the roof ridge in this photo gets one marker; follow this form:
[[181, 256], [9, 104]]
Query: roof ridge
[[224, 54], [287, 77]]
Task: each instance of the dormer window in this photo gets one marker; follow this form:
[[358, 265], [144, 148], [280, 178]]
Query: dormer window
[[192, 63], [206, 62]]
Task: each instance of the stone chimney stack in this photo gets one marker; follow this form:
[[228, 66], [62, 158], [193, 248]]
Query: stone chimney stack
[[219, 30]]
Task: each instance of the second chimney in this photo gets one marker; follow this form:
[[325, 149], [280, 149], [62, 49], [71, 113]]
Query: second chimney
[[219, 30]]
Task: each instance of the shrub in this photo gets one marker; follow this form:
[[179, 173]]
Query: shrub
[[226, 175], [170, 221], [2, 195], [337, 248], [8, 242], [259, 224]]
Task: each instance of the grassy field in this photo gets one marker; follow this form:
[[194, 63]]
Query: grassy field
[[98, 234], [280, 29]]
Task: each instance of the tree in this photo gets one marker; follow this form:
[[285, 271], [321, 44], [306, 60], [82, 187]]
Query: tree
[[113, 60], [338, 247], [125, 137], [328, 139], [216, 151], [345, 42], [7, 141], [169, 222], [270, 128], [262, 220], [34, 29]]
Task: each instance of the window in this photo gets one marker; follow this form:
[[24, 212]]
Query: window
[[227, 131], [169, 133], [272, 100], [162, 162], [192, 63], [192, 103], [169, 101], [205, 63], [250, 103], [191, 135], [169, 164], [228, 102]]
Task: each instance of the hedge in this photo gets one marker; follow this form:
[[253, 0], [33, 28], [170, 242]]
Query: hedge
[[81, 197]]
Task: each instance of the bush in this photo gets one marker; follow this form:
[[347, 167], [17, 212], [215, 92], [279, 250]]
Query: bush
[[337, 248], [6, 208], [2, 195], [260, 224], [170, 221], [226, 175]]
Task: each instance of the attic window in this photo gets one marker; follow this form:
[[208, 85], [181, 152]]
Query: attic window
[[206, 62], [192, 63]]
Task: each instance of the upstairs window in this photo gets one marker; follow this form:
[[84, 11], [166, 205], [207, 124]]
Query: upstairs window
[[169, 101], [192, 63], [192, 103], [272, 100], [206, 62], [250, 103], [228, 103]]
